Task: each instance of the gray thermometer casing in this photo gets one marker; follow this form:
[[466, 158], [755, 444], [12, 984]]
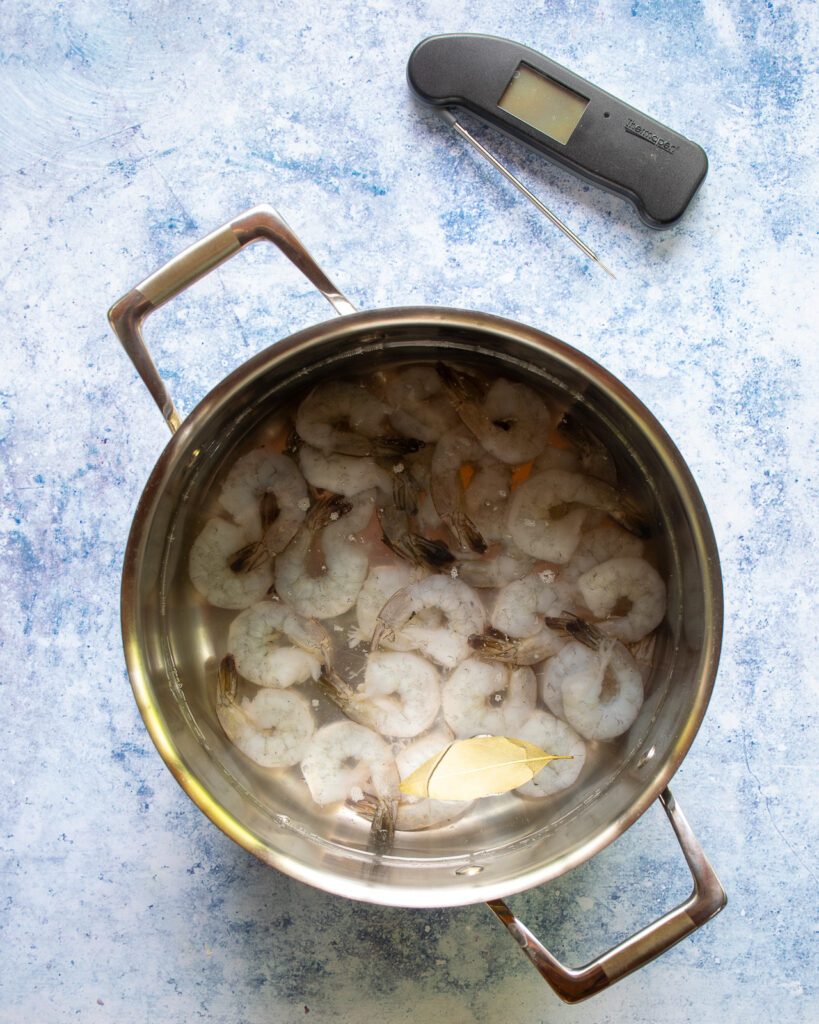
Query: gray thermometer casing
[[613, 145]]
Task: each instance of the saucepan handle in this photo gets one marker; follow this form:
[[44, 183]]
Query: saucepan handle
[[575, 984], [261, 223]]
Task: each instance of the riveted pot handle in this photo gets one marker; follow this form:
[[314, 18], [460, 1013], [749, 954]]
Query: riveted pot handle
[[575, 984], [261, 223]]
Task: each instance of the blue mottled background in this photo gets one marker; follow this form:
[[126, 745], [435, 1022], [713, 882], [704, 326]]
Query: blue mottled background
[[129, 128]]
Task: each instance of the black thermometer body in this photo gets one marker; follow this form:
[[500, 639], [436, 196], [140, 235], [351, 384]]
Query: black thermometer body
[[566, 118]]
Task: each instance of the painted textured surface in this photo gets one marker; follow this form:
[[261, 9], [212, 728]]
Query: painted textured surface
[[129, 130]]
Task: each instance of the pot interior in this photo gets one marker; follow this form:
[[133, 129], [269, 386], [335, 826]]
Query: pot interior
[[174, 639]]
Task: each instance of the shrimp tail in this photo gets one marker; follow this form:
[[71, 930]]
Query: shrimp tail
[[467, 533], [228, 681], [382, 813], [578, 435], [293, 442], [493, 645], [269, 510], [382, 832], [396, 445], [337, 689], [326, 510], [405, 492], [578, 629], [461, 387], [248, 558], [381, 630], [433, 553], [630, 519]]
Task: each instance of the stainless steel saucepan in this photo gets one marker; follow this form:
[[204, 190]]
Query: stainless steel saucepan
[[172, 660]]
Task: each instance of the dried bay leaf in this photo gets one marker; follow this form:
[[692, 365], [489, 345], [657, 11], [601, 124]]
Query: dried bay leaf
[[481, 766]]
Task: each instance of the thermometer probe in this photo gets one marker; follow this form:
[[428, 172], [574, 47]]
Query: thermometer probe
[[564, 117]]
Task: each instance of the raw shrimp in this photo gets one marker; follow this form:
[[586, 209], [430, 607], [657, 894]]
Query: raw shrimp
[[419, 406], [265, 492], [435, 616], [455, 449], [273, 646], [511, 421], [547, 512], [415, 813], [480, 697], [595, 685], [400, 695], [219, 569], [520, 606], [345, 561], [599, 545], [631, 581], [346, 760], [519, 634], [495, 570], [339, 416], [342, 474], [555, 737], [273, 728]]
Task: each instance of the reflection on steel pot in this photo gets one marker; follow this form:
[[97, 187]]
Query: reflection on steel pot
[[172, 663]]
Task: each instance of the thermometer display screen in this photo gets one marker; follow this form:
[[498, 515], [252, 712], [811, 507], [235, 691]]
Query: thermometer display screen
[[543, 103]]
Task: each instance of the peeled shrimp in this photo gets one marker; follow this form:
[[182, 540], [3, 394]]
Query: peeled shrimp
[[479, 697], [219, 570], [339, 416], [415, 813], [596, 685], [511, 421], [419, 405], [455, 449], [265, 492], [274, 728], [555, 737], [599, 545], [519, 634], [435, 616], [631, 580], [400, 695], [547, 512], [273, 646], [342, 474], [345, 561], [520, 607], [345, 760]]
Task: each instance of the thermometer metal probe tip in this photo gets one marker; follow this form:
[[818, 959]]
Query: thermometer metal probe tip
[[454, 123]]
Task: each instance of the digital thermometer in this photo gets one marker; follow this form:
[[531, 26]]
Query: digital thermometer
[[563, 116]]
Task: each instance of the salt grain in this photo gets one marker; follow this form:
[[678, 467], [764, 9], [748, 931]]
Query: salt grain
[[398, 467], [303, 504], [356, 794]]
